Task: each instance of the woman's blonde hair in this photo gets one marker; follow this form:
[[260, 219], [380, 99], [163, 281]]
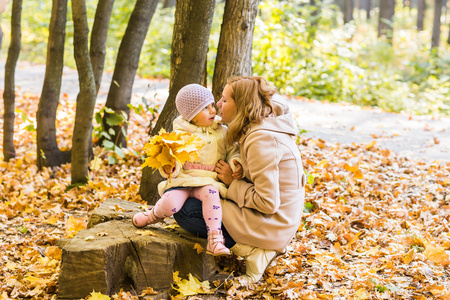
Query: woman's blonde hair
[[252, 98]]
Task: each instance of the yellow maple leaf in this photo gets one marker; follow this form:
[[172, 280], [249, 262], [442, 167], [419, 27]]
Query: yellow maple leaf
[[96, 163], [53, 252], [176, 278], [192, 286], [361, 294], [370, 145], [34, 281], [73, 225], [436, 254], [409, 257], [98, 296], [199, 248], [172, 226]]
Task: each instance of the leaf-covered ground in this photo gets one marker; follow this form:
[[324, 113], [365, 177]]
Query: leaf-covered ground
[[376, 226]]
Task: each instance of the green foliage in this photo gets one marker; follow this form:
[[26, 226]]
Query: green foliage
[[309, 207], [348, 63], [22, 229], [383, 288], [75, 185], [304, 50], [106, 133]]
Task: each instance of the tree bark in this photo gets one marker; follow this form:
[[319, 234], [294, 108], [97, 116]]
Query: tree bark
[[386, 18], [193, 19], [81, 140], [119, 95], [48, 153], [98, 39], [420, 14], [435, 37], [234, 51], [348, 11], [9, 95]]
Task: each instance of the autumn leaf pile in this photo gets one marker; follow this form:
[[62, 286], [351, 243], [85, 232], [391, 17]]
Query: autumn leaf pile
[[375, 225]]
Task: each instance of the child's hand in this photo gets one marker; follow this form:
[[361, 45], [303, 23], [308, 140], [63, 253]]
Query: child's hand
[[238, 173], [168, 169]]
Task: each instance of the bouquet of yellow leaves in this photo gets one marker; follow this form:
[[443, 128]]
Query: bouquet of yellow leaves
[[165, 149]]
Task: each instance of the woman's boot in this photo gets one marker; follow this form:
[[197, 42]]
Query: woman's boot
[[256, 260]]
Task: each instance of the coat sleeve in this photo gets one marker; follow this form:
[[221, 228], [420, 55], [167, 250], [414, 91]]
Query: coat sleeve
[[233, 153], [263, 193]]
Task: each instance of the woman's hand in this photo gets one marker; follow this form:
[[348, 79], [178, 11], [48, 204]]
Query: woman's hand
[[239, 172], [224, 172]]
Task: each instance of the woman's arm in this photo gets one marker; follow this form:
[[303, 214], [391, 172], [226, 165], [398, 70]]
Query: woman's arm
[[262, 154]]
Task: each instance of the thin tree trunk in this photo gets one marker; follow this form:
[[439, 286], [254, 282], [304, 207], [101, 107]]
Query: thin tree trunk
[[81, 140], [368, 8], [234, 52], [9, 96], [436, 24], [119, 95], [48, 153], [448, 38], [98, 38], [348, 11], [193, 19], [168, 3], [386, 18], [420, 14]]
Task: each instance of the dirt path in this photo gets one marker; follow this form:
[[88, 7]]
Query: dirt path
[[414, 136]]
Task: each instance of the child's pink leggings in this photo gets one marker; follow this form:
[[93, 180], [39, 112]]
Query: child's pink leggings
[[172, 201]]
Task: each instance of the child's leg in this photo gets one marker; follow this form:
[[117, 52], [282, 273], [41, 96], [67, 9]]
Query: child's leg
[[212, 213], [171, 202], [212, 209]]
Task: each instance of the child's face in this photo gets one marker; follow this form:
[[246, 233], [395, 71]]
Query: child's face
[[205, 117]]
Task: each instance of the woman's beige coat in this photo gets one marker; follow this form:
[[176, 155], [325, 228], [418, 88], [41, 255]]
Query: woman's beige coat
[[266, 212]]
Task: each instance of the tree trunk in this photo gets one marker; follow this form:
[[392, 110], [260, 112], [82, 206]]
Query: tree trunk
[[386, 18], [448, 38], [119, 95], [368, 8], [48, 153], [348, 11], [81, 140], [193, 19], [168, 3], [9, 95], [436, 24], [420, 14], [234, 52], [98, 39]]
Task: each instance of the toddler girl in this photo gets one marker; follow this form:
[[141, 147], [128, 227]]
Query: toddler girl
[[195, 103]]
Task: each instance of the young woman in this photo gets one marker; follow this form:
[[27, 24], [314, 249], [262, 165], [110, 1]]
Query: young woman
[[263, 211]]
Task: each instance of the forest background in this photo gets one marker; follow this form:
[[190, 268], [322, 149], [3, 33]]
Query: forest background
[[375, 225], [305, 50]]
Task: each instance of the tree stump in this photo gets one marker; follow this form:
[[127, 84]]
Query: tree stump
[[114, 255]]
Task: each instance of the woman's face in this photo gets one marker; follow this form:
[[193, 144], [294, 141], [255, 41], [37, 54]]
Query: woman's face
[[227, 106]]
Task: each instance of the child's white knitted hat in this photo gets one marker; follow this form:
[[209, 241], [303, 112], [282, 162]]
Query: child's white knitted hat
[[191, 99]]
